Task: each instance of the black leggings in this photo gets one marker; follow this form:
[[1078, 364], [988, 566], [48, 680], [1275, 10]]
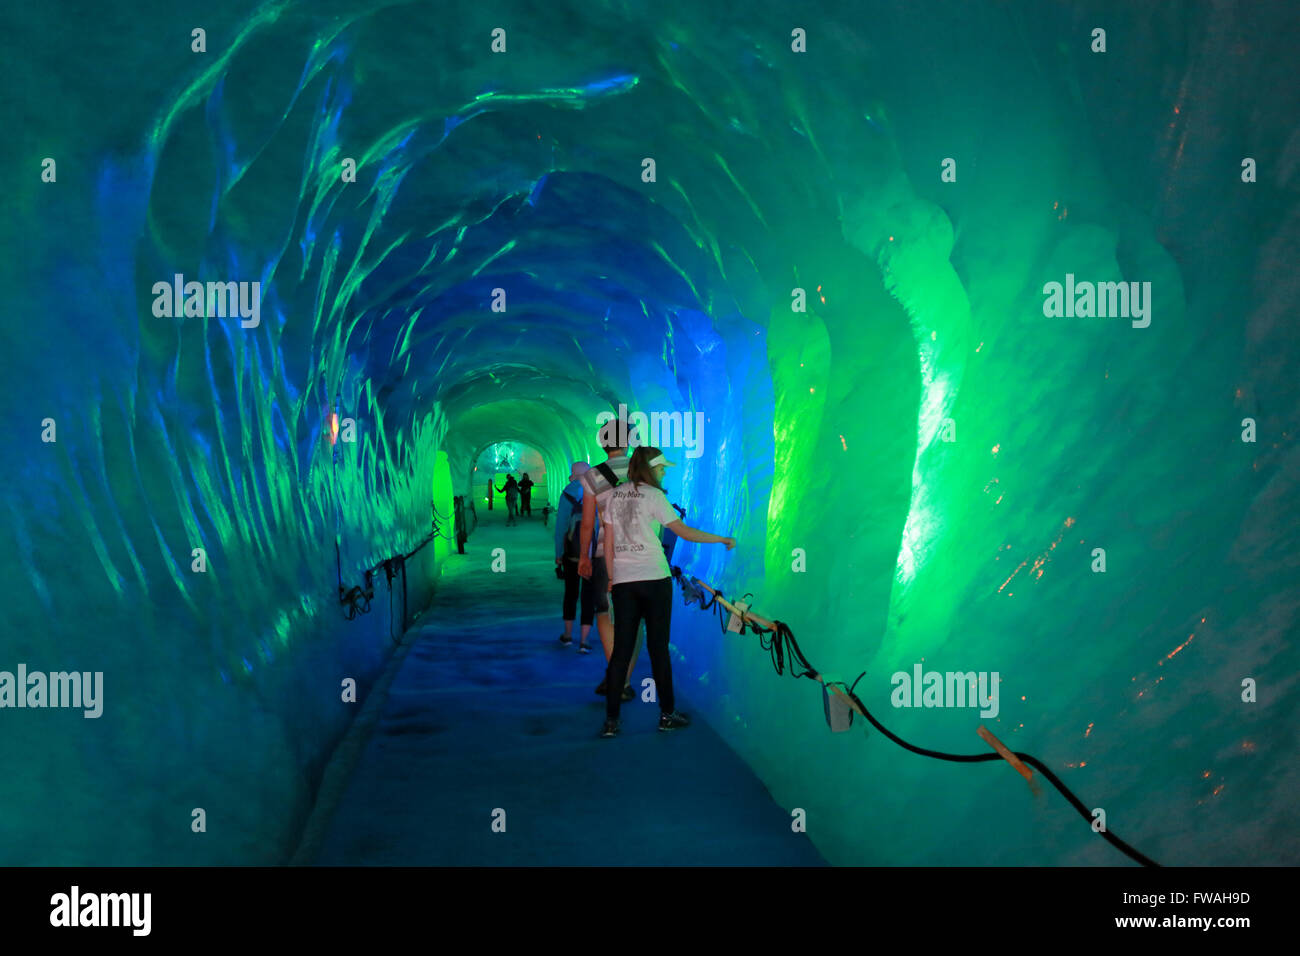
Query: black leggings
[[572, 584], [633, 601]]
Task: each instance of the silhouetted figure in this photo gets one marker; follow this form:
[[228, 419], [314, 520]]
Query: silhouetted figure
[[526, 496], [511, 491]]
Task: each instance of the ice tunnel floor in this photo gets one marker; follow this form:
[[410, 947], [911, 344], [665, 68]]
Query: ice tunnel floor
[[488, 710]]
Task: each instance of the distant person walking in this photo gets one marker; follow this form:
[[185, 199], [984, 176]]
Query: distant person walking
[[568, 533], [636, 513], [511, 491], [526, 496]]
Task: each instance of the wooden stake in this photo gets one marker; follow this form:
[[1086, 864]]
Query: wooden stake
[[1007, 755]]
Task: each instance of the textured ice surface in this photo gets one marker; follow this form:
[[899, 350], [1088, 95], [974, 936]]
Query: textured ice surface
[[824, 430]]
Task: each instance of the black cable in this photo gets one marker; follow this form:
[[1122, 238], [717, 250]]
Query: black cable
[[357, 600], [783, 636], [439, 519], [712, 604], [787, 636], [720, 612], [390, 611], [1033, 761]]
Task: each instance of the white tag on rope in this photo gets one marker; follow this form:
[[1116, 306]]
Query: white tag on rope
[[735, 623]]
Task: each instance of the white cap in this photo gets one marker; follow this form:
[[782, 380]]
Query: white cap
[[661, 460]]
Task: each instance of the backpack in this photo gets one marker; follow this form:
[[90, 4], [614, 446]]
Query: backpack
[[573, 532]]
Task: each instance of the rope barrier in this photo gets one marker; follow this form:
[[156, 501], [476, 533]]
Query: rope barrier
[[783, 647], [356, 600]]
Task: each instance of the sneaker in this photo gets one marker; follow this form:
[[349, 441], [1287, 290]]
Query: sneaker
[[628, 692], [584, 648], [610, 729], [673, 721], [565, 639]]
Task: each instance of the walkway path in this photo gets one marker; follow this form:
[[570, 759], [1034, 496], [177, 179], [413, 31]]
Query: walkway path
[[487, 710]]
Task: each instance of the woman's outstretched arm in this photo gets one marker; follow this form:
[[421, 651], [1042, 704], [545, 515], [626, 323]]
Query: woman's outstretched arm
[[683, 530]]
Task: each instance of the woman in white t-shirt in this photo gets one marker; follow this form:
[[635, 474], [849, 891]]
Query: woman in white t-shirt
[[641, 582]]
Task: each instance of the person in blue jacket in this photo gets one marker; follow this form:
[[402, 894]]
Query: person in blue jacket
[[568, 522]]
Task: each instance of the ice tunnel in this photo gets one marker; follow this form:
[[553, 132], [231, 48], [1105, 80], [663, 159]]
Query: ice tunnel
[[972, 323]]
